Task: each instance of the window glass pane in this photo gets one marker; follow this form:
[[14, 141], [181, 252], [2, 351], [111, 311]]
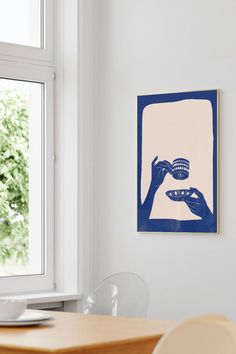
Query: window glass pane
[[20, 22], [21, 200]]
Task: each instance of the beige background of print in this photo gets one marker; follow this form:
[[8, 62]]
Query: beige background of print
[[172, 130]]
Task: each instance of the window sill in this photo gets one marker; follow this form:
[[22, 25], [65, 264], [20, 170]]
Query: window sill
[[48, 300]]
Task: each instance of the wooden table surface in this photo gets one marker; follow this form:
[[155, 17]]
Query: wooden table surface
[[74, 333]]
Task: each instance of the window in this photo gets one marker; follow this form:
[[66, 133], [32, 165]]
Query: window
[[28, 63], [26, 146]]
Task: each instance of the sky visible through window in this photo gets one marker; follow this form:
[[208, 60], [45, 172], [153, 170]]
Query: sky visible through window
[[20, 22]]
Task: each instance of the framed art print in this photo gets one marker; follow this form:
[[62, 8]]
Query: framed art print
[[177, 162]]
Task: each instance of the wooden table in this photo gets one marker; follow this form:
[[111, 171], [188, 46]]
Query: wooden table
[[74, 333]]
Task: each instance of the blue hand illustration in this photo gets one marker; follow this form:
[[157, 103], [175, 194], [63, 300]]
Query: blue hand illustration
[[198, 206], [159, 171]]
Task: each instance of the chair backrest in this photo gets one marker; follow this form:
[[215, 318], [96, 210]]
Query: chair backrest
[[121, 294], [210, 334]]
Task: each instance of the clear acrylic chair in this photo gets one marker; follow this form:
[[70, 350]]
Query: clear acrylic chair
[[121, 294], [211, 334]]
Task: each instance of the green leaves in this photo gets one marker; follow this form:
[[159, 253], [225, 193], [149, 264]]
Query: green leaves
[[14, 178]]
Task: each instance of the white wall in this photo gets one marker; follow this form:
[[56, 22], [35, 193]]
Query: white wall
[[154, 46]]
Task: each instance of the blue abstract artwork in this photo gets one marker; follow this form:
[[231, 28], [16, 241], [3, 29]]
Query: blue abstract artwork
[[177, 162]]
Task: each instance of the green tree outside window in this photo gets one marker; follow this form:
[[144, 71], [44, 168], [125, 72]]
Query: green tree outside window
[[14, 177]]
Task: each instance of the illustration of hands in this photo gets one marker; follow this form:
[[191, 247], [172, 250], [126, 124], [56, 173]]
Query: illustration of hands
[[159, 171], [198, 205], [179, 170]]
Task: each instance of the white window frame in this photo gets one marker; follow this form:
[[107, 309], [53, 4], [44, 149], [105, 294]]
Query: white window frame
[[72, 271], [36, 65], [68, 270]]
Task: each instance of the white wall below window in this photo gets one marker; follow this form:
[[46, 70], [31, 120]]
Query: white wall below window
[[145, 47]]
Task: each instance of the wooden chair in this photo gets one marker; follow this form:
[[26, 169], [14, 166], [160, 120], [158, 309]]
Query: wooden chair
[[211, 334]]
